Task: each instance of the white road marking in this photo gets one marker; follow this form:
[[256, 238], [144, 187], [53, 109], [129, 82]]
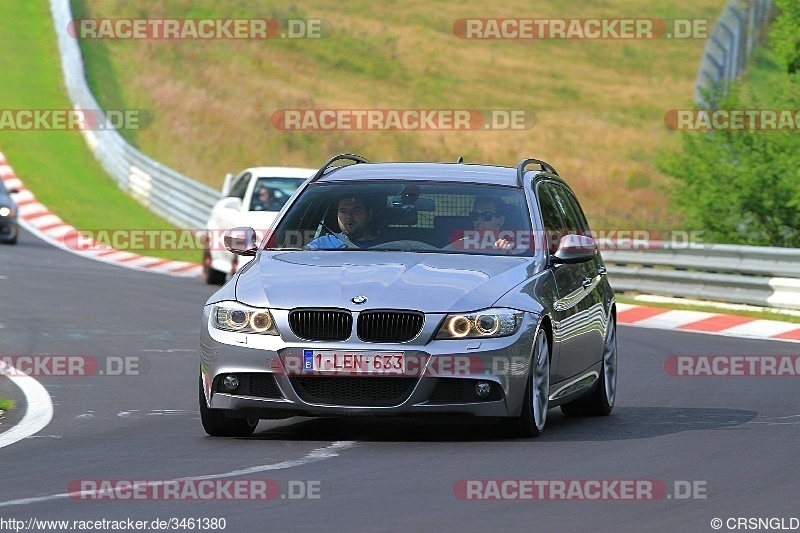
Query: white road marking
[[172, 350], [316, 455], [135, 413], [781, 423], [39, 411]]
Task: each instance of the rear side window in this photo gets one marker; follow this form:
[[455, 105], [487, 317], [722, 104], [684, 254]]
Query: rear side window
[[580, 218], [561, 213]]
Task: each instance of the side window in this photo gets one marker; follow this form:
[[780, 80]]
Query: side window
[[240, 187], [583, 225], [554, 224], [564, 208]]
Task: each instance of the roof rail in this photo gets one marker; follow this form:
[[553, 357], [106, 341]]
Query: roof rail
[[546, 167], [356, 159]]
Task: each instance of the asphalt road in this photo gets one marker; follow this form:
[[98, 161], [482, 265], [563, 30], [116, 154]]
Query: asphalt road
[[735, 437]]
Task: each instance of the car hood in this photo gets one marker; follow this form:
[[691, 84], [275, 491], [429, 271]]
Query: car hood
[[432, 283]]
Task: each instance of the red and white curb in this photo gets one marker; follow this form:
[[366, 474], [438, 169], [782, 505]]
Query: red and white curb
[[37, 219], [711, 323]]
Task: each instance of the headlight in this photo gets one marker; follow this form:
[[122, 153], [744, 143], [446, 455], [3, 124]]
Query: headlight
[[6, 212], [230, 316], [483, 324]]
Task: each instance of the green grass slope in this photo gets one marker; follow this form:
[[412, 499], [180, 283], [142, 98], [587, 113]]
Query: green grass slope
[[57, 165], [600, 104]]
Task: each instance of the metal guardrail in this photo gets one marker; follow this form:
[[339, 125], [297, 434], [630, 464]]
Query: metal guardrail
[[729, 47], [756, 275], [177, 198]]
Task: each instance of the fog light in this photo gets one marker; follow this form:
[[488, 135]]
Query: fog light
[[482, 389], [230, 382]]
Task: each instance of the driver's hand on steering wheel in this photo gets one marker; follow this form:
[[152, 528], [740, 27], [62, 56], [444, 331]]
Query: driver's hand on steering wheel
[[504, 245]]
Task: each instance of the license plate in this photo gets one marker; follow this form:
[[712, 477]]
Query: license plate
[[354, 362]]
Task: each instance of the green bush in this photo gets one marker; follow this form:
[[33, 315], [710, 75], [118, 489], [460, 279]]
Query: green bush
[[785, 34], [742, 186]]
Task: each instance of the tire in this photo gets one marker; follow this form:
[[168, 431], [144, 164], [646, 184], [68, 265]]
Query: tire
[[600, 402], [212, 276], [13, 240], [217, 424], [532, 418]]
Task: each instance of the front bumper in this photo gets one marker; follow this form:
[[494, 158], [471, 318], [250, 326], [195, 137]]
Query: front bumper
[[440, 377]]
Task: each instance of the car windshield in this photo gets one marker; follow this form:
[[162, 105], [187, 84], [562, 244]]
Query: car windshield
[[271, 193], [410, 216]]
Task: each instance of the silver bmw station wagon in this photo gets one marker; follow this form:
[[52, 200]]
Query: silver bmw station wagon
[[414, 289]]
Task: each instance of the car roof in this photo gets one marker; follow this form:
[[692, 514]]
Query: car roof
[[468, 173], [281, 172]]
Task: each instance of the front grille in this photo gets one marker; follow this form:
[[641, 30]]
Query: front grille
[[389, 326], [460, 390], [257, 384], [321, 324], [354, 391]]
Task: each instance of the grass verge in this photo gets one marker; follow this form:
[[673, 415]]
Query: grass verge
[[6, 405], [57, 165]]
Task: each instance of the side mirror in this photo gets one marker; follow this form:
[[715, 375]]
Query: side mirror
[[226, 185], [232, 203], [240, 241], [575, 249]]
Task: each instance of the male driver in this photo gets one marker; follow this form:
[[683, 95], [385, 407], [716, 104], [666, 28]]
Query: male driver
[[355, 223]]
